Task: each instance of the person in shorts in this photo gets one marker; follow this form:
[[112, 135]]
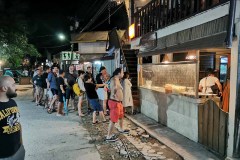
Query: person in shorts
[[61, 92], [52, 79], [93, 97], [102, 78], [81, 74], [115, 105], [38, 82], [71, 79]]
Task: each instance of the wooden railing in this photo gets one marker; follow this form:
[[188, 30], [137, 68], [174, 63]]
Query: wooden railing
[[158, 14]]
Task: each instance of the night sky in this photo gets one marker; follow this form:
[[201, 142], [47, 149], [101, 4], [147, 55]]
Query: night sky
[[47, 18]]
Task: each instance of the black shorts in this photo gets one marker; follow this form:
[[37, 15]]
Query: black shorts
[[54, 91], [60, 95], [70, 93]]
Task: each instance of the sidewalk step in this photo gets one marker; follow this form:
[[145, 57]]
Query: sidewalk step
[[185, 147]]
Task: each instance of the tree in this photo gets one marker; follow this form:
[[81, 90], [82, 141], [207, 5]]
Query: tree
[[13, 34]]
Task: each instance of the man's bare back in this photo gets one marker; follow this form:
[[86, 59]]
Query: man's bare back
[[116, 89]]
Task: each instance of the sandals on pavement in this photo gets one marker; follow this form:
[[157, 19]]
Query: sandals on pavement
[[95, 122], [49, 110], [124, 131]]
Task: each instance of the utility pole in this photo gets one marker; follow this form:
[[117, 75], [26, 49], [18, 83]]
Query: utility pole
[[71, 53]]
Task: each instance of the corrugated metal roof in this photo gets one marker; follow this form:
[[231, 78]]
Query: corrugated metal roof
[[90, 36], [94, 36]]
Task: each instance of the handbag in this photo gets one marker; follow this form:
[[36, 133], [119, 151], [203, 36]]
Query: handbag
[[215, 89]]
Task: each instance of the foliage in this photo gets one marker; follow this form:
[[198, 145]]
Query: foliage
[[13, 36]]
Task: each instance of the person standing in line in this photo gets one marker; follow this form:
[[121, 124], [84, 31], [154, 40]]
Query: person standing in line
[[71, 79], [45, 81], [34, 73], [89, 71], [93, 97], [102, 78], [127, 92], [10, 127], [38, 82], [82, 88], [61, 92], [115, 105], [52, 79]]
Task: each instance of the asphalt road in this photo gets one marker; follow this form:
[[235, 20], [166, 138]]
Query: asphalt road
[[48, 137]]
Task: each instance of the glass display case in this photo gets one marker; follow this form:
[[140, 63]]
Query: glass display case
[[171, 78]]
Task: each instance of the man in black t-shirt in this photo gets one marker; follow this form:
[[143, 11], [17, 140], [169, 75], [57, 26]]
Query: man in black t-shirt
[[71, 79], [10, 128], [93, 97], [61, 92], [38, 82]]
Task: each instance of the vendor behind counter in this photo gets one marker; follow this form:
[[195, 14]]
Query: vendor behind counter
[[210, 83]]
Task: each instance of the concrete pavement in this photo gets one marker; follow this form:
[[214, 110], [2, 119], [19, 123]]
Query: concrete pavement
[[48, 137], [185, 147]]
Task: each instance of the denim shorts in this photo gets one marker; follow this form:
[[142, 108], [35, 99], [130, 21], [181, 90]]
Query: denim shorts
[[96, 105]]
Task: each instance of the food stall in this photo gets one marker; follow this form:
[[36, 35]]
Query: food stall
[[169, 95]]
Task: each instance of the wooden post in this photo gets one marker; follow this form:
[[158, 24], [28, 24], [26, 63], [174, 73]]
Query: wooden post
[[197, 72]]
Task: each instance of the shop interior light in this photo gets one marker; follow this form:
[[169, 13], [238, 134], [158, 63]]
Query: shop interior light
[[132, 31], [165, 59], [97, 62], [191, 55], [86, 63]]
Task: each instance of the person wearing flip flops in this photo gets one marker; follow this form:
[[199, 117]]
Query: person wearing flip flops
[[115, 105], [61, 92], [82, 88], [93, 97]]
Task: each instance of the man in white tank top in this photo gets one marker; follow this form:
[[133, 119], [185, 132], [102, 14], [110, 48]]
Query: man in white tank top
[[206, 83]]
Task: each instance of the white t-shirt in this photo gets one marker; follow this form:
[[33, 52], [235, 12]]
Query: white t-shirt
[[81, 84], [207, 82]]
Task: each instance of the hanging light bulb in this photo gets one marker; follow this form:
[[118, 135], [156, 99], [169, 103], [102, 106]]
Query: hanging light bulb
[[191, 55], [165, 59]]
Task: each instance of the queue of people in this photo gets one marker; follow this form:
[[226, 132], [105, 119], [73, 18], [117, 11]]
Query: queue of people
[[108, 96]]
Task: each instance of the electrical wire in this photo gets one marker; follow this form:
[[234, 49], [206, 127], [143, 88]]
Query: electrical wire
[[100, 11], [108, 17]]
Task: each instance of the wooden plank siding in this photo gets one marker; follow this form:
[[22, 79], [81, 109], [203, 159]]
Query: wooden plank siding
[[212, 127], [216, 113]]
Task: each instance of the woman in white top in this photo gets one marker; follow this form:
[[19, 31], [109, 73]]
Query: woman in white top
[[127, 92], [82, 88], [206, 83]]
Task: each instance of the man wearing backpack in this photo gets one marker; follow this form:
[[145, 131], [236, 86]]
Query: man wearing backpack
[[71, 79]]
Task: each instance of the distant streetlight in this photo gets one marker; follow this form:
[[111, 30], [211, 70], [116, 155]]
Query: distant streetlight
[[61, 36]]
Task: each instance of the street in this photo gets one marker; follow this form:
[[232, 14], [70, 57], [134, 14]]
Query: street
[[48, 137]]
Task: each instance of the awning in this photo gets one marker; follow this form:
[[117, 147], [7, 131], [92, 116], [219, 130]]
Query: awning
[[214, 41], [89, 57], [208, 35]]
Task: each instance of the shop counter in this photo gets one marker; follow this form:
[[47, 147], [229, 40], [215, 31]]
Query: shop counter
[[177, 111]]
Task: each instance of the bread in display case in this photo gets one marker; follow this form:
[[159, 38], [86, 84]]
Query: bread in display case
[[172, 78]]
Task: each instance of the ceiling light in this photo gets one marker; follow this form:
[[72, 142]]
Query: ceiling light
[[165, 59], [191, 55]]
